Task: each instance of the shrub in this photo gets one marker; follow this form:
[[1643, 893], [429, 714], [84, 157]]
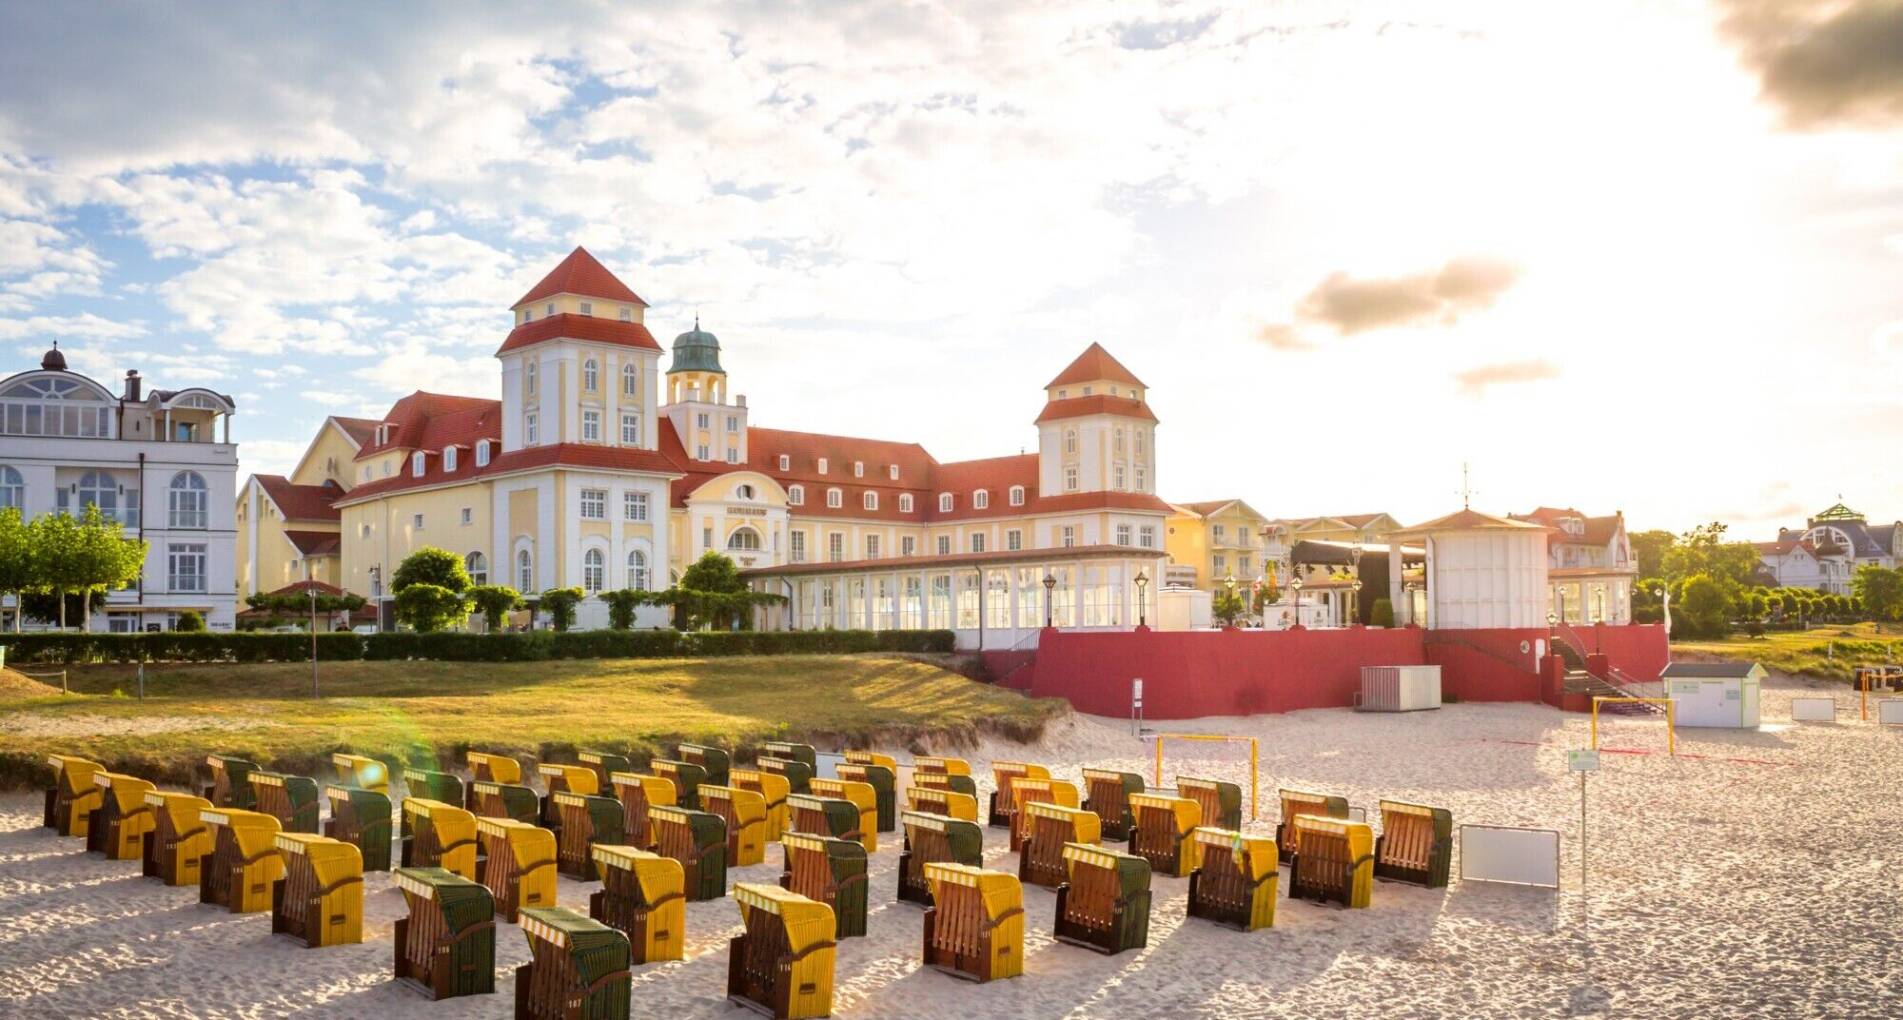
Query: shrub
[[430, 607], [493, 601], [189, 622], [430, 565], [560, 605], [621, 606]]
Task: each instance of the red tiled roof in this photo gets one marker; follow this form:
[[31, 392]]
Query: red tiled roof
[[1208, 506], [360, 430], [804, 450], [1093, 365], [589, 328], [581, 274], [431, 421], [315, 543], [1076, 552], [302, 502], [1096, 403]]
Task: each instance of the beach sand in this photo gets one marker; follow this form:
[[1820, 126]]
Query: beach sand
[[1756, 874]]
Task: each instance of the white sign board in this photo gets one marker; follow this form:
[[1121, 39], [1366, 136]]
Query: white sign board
[[1498, 853], [1582, 761], [1890, 712], [1813, 709], [1136, 692]]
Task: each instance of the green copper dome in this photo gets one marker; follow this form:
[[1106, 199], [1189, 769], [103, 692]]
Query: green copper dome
[[696, 351]]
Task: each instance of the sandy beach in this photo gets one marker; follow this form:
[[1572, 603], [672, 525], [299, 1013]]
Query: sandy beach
[[1753, 875]]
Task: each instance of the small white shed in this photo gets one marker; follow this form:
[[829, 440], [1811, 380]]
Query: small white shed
[[1714, 694]]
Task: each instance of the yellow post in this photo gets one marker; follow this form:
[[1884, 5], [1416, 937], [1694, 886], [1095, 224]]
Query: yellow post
[[1671, 719]]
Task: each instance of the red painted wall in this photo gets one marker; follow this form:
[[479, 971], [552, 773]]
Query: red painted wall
[[1246, 672], [1200, 673], [1640, 651]]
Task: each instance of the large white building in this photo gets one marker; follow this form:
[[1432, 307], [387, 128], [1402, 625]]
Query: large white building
[[161, 462]]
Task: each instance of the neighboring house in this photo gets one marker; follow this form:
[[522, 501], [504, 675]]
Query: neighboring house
[[1589, 565], [288, 525], [160, 462], [1840, 540], [600, 470], [1281, 534], [1802, 563], [1210, 542]]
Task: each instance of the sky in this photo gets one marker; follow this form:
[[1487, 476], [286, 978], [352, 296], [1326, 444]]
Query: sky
[[1619, 256]]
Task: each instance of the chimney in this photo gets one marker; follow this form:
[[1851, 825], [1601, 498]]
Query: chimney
[[132, 386]]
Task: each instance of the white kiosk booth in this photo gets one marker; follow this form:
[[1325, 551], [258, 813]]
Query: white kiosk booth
[[1714, 694]]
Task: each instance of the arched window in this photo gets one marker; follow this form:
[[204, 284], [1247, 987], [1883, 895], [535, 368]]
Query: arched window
[[416, 464], [744, 539], [1070, 440], [796, 495], [100, 489], [980, 500], [1017, 495], [482, 453], [744, 491], [528, 378], [590, 375], [638, 570], [905, 502], [524, 572], [478, 566], [12, 489], [630, 380], [835, 498], [594, 571], [188, 500]]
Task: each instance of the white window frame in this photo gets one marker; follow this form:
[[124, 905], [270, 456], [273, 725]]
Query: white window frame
[[944, 545], [1014, 540], [858, 469], [630, 377], [192, 554], [449, 459], [836, 546], [531, 433], [870, 500], [416, 522], [796, 546], [591, 375], [822, 465], [468, 515], [634, 506], [796, 495], [786, 462], [418, 461], [835, 499], [591, 425], [594, 571], [944, 502], [981, 499], [631, 429], [905, 502], [592, 504], [872, 547], [1017, 495], [908, 545], [482, 453], [188, 500], [977, 541]]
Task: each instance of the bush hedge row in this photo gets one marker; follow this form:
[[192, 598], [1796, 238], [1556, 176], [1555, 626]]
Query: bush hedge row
[[174, 646]]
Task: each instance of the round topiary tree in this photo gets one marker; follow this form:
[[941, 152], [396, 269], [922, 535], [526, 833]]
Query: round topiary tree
[[559, 604], [430, 565], [430, 607], [493, 601]]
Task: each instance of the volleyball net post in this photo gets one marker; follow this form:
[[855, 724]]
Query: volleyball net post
[[1671, 718], [1214, 738]]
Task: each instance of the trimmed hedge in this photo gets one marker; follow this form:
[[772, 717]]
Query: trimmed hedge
[[456, 646]]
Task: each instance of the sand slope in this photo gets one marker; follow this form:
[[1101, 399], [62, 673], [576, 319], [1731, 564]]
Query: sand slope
[[1758, 880]]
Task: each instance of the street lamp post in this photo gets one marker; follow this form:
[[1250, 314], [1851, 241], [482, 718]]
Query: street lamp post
[[1050, 592], [1143, 582], [1552, 633], [1409, 589], [1295, 585], [980, 575], [313, 593], [1230, 582], [1354, 606]]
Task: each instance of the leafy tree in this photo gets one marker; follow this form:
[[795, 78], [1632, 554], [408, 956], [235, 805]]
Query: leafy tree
[[560, 605], [430, 607], [1703, 550], [711, 590], [622, 604], [17, 574], [1226, 606], [493, 601], [430, 565], [1648, 550], [1266, 594], [1700, 609], [1879, 590], [57, 562], [105, 560], [293, 603], [190, 622]]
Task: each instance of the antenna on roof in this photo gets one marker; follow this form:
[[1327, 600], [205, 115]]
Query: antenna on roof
[[1466, 488]]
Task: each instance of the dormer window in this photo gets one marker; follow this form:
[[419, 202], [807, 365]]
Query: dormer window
[[796, 495], [822, 465], [482, 453], [528, 315], [1017, 495], [587, 309], [449, 458], [892, 472], [905, 502], [786, 462], [871, 501], [835, 499], [944, 502], [858, 469], [551, 310], [1086, 389], [416, 464], [980, 500], [1063, 394], [627, 314]]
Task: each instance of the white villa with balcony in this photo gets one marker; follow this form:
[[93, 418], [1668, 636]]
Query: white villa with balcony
[[160, 462]]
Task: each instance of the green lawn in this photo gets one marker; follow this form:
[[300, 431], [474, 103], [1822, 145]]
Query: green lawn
[[1831, 651], [429, 712]]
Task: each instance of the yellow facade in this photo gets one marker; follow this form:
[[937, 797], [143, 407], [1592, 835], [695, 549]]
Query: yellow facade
[[379, 533], [1218, 539]]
